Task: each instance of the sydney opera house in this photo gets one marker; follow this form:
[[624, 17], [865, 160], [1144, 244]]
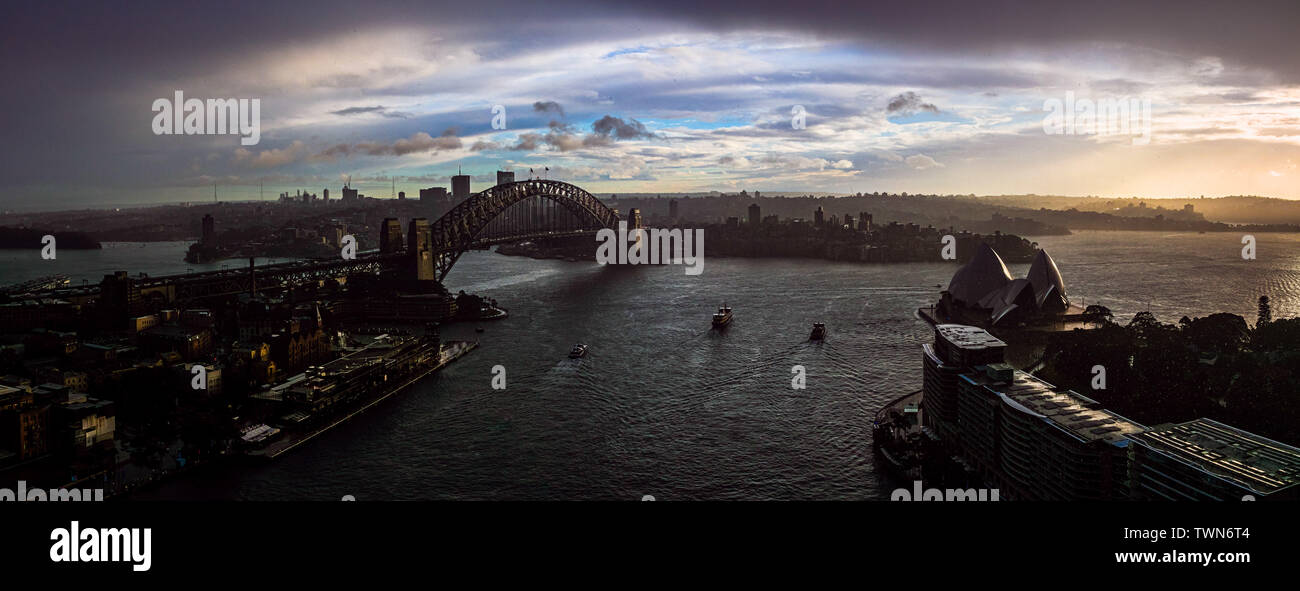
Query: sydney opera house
[[983, 293]]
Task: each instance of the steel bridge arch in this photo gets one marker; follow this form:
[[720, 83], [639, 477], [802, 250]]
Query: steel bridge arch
[[456, 231]]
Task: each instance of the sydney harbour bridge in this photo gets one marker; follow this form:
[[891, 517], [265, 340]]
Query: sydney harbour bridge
[[506, 213]]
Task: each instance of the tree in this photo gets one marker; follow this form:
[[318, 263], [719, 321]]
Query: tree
[[1098, 314], [1265, 311]]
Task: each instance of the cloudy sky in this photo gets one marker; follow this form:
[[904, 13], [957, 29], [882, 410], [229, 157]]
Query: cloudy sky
[[935, 97]]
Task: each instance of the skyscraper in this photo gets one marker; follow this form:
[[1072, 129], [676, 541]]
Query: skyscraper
[[209, 230], [505, 176], [460, 187], [819, 217], [755, 214], [864, 221]]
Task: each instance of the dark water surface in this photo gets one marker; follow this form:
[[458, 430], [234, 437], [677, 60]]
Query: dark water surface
[[663, 406]]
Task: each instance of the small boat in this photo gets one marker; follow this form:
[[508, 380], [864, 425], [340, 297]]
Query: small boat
[[722, 317], [579, 350], [818, 332]]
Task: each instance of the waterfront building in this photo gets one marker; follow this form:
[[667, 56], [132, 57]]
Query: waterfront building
[[983, 291], [1020, 433], [1037, 442], [956, 349], [1208, 460], [1034, 441]]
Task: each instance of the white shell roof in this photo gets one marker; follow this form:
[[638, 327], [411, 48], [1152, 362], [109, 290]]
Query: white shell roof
[[984, 274], [1046, 279]]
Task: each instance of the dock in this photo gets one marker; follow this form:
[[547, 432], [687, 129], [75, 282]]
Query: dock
[[448, 353]]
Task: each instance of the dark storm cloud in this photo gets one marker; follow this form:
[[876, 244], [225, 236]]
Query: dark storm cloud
[[909, 103], [611, 126], [417, 142], [377, 110], [548, 107], [79, 71]]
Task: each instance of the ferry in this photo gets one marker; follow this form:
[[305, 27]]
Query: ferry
[[578, 351], [818, 332], [723, 317]]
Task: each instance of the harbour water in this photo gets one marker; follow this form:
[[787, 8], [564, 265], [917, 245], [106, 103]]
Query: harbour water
[[663, 406]]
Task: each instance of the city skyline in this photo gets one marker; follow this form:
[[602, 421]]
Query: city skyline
[[652, 100]]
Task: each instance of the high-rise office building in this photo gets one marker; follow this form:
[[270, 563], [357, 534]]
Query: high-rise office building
[[864, 221], [209, 235], [819, 217], [505, 176], [460, 187], [755, 214]]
